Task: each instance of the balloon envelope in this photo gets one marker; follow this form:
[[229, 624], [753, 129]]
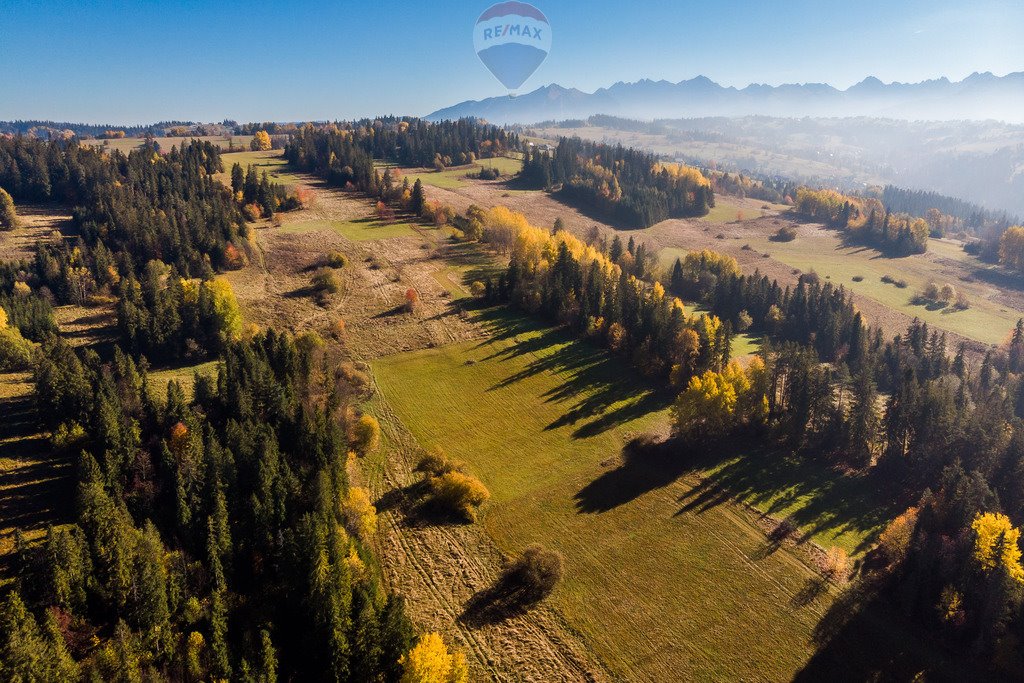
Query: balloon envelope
[[512, 39]]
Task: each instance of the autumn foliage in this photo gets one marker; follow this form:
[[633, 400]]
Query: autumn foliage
[[260, 141], [715, 403], [8, 218], [997, 544], [1011, 248], [430, 661]]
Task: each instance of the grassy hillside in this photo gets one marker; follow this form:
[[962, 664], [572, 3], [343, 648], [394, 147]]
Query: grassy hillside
[[270, 161], [664, 580], [989, 319], [456, 177]]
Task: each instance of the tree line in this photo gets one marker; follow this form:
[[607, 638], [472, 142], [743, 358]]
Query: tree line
[[865, 219], [215, 536], [344, 153], [627, 185], [928, 423], [967, 214], [599, 291]]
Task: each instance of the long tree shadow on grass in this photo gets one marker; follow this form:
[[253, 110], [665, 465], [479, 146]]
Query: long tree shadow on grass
[[646, 465], [601, 392], [415, 509], [863, 638], [38, 484], [813, 495], [495, 604]]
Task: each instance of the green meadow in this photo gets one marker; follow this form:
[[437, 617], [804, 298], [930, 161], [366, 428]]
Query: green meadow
[[666, 576]]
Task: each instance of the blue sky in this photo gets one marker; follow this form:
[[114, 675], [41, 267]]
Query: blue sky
[[141, 61]]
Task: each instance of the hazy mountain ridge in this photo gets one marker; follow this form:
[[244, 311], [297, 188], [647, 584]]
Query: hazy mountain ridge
[[979, 96]]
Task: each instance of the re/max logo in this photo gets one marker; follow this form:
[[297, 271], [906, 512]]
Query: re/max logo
[[512, 30]]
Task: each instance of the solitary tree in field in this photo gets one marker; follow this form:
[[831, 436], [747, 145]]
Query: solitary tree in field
[[412, 300], [8, 219], [260, 141]]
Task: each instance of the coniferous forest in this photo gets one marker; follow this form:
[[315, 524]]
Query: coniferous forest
[[928, 424], [215, 532], [625, 185], [214, 535]]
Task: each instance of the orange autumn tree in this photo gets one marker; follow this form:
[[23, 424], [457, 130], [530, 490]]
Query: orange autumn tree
[[412, 300]]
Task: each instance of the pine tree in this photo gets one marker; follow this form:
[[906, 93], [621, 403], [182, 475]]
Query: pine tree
[[417, 200]]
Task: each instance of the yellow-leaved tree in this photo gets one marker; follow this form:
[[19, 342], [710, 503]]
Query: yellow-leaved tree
[[8, 218], [260, 141], [714, 403], [1011, 248], [15, 350], [997, 543], [359, 513], [364, 436], [225, 305], [431, 662]]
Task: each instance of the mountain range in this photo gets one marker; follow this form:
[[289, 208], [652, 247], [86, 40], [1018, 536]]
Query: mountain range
[[980, 96]]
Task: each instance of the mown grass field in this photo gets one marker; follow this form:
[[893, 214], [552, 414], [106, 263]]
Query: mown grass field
[[358, 230], [270, 161], [452, 278], [664, 578], [987, 320], [185, 376], [456, 177]]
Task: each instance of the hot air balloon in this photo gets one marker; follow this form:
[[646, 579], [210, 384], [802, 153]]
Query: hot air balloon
[[512, 39]]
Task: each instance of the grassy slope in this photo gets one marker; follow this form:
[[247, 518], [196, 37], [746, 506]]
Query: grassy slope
[[456, 177], [663, 580], [358, 230], [185, 376], [726, 211], [986, 320], [270, 161]]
